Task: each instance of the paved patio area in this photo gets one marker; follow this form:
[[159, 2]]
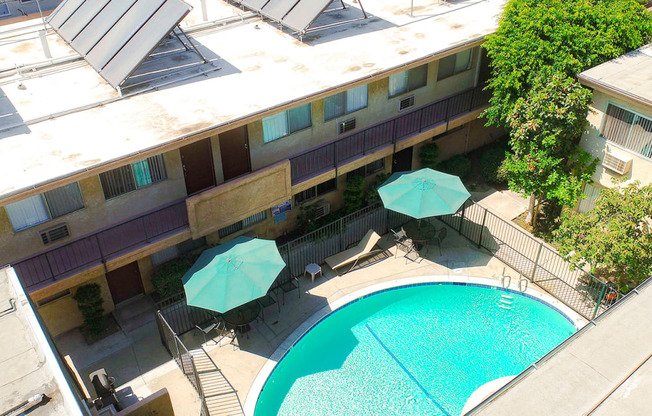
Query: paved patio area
[[141, 365]]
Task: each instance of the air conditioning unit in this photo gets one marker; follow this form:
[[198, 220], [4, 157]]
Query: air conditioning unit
[[617, 163], [346, 125], [322, 208], [56, 233], [405, 103]]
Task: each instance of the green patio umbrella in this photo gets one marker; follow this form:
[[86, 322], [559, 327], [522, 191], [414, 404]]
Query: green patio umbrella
[[423, 193], [232, 274]]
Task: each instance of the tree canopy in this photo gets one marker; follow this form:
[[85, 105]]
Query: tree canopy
[[539, 38], [536, 54], [614, 238]]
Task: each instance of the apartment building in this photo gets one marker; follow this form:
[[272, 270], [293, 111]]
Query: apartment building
[[620, 124], [101, 185]]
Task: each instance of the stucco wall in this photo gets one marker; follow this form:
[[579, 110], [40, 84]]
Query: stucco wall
[[597, 146], [63, 315], [97, 213]]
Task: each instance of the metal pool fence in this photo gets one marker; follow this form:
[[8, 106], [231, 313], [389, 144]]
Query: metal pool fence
[[533, 259]]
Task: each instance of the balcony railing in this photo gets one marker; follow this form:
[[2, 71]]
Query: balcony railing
[[376, 137], [92, 250]]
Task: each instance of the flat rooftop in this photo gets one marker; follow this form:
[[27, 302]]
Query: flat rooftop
[[27, 363], [629, 75], [605, 370], [58, 117]]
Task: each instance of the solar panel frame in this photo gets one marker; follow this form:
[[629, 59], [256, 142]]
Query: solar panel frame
[[255, 5], [143, 42], [83, 16], [100, 25], [304, 14], [116, 36], [277, 9], [62, 13]]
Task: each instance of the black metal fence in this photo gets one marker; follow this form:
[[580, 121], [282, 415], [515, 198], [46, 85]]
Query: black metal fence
[[376, 137], [182, 357], [536, 261]]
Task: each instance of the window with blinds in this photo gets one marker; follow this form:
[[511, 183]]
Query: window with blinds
[[241, 225], [134, 176], [408, 80], [290, 121], [629, 130], [44, 207], [454, 64], [345, 102]]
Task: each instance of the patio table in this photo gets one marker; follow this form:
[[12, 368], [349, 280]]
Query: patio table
[[420, 231], [242, 316]]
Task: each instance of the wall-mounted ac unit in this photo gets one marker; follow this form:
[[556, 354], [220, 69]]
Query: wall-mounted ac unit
[[346, 125], [322, 208], [55, 233], [617, 163], [405, 103]]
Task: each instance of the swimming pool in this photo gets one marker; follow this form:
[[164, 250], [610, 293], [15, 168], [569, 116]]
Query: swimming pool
[[417, 350]]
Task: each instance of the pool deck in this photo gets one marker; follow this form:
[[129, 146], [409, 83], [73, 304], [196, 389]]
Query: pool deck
[[605, 370], [141, 366]]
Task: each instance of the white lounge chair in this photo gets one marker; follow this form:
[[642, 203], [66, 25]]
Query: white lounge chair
[[352, 255]]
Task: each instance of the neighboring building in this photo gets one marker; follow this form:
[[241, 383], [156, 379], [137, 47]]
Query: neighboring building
[[100, 186], [620, 124], [12, 11]]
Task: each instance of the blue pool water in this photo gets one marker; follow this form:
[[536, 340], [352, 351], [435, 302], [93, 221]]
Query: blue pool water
[[417, 350]]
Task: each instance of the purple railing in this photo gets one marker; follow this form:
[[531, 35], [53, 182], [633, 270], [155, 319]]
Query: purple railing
[[376, 137], [97, 248]]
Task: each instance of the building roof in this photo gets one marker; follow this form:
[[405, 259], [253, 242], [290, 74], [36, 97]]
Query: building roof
[[58, 118], [604, 370], [27, 362], [628, 75]]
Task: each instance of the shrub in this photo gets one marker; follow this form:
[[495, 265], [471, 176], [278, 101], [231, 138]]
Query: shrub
[[167, 277], [429, 155], [490, 162], [459, 165], [372, 191], [353, 194], [89, 302]]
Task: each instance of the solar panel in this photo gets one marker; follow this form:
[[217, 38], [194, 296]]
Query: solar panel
[[255, 5], [277, 9], [304, 14], [115, 36]]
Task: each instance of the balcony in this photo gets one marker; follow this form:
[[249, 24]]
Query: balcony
[[372, 139], [85, 253]]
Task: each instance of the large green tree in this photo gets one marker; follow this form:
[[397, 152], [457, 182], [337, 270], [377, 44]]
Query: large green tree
[[614, 238], [536, 54]]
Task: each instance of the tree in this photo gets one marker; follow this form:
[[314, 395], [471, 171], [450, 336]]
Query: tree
[[614, 237], [539, 38], [537, 52], [546, 163]]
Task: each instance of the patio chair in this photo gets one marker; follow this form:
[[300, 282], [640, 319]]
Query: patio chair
[[220, 328], [354, 254], [408, 246], [266, 301], [441, 235], [288, 286], [400, 235]]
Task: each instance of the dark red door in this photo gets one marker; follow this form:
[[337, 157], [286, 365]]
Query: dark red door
[[197, 162], [125, 282], [234, 147]]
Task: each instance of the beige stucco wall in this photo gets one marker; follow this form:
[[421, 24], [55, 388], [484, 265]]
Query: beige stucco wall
[[97, 213], [63, 315], [597, 146]]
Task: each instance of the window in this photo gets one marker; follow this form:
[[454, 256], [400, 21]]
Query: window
[[315, 191], [290, 121], [131, 177], [632, 131], [345, 102], [369, 169], [454, 64], [44, 207], [241, 225], [408, 80]]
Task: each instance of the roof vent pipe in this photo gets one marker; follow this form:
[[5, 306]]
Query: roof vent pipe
[[44, 43]]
